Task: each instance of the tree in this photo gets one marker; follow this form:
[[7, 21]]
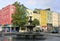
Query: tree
[[35, 22], [19, 17]]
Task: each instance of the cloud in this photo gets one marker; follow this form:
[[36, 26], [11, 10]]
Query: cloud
[[42, 4], [36, 2], [31, 2], [44, 1]]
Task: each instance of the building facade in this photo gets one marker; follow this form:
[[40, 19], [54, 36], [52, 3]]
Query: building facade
[[6, 14], [49, 23], [29, 12], [49, 17], [43, 19], [34, 14], [59, 20], [55, 19]]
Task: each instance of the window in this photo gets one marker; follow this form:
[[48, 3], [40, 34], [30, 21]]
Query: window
[[12, 9], [34, 11]]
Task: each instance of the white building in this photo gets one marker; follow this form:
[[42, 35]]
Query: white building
[[59, 20], [55, 19]]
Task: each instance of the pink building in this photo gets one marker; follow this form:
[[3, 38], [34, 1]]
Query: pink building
[[6, 14]]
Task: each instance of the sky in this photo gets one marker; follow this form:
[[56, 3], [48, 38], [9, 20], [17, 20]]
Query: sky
[[32, 4]]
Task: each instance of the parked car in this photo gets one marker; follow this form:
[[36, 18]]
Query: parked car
[[55, 31]]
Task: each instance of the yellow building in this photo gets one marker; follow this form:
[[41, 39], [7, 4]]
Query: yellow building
[[43, 19], [34, 15], [41, 16]]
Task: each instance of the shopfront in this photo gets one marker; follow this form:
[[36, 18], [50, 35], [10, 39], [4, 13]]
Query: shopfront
[[9, 28]]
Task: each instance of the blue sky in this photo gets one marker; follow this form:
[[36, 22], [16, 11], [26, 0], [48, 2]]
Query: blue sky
[[32, 4]]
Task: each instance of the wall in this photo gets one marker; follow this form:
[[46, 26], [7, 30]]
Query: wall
[[5, 14], [43, 19], [55, 19]]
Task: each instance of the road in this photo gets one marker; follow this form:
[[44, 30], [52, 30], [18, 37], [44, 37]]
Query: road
[[52, 38]]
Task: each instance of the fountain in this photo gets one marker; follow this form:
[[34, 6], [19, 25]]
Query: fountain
[[29, 34], [30, 26]]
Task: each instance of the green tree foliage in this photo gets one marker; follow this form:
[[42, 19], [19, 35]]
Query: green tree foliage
[[35, 22], [19, 17]]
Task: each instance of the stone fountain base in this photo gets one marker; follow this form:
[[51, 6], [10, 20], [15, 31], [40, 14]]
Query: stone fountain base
[[33, 35]]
